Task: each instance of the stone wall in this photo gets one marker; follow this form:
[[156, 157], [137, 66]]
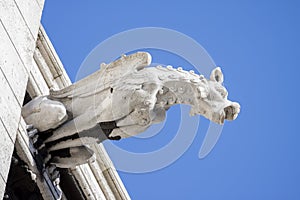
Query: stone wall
[[19, 25]]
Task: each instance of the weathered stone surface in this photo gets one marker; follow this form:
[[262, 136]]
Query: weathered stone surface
[[20, 21], [2, 187], [22, 146], [91, 181], [123, 99], [18, 31], [6, 150], [49, 62], [107, 175], [41, 3], [102, 182], [45, 70], [38, 79], [83, 183], [31, 12], [10, 108], [12, 66]]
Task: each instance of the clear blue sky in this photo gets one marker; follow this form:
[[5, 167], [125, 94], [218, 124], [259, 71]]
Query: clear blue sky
[[257, 45]]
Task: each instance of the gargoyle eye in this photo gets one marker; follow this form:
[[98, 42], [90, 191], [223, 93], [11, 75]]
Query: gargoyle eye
[[224, 94]]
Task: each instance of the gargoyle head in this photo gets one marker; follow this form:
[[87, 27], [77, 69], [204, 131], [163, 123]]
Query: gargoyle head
[[212, 100]]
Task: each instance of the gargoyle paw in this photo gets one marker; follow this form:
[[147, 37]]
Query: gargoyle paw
[[31, 131]]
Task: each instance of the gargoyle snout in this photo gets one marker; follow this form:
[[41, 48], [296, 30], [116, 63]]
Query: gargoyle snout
[[232, 111]]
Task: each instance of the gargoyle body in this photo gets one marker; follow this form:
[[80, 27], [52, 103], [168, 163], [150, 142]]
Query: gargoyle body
[[120, 100]]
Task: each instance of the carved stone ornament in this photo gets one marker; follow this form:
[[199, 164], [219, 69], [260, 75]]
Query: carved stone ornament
[[120, 100]]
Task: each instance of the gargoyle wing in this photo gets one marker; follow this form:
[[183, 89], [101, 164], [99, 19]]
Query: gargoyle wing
[[105, 77]]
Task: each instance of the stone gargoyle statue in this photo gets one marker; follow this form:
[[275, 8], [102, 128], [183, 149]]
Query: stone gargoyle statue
[[120, 100]]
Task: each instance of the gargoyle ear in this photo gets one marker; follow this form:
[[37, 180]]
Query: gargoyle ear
[[217, 75]]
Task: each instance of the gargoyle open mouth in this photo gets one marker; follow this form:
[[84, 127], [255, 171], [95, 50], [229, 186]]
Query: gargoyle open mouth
[[231, 112]]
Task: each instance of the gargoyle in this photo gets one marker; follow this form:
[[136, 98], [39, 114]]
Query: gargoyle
[[120, 100]]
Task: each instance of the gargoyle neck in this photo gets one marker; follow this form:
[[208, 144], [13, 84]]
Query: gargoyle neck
[[180, 86]]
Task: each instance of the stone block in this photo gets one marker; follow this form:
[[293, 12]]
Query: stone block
[[6, 150], [31, 12], [2, 187], [18, 31], [41, 3], [10, 108], [12, 66], [38, 80]]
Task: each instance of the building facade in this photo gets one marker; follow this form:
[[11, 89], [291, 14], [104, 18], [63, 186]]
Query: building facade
[[29, 67]]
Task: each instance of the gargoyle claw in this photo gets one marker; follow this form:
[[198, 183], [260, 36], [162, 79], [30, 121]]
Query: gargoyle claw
[[31, 131]]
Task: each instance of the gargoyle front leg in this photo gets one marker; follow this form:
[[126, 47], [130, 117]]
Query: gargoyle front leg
[[76, 125], [96, 134]]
